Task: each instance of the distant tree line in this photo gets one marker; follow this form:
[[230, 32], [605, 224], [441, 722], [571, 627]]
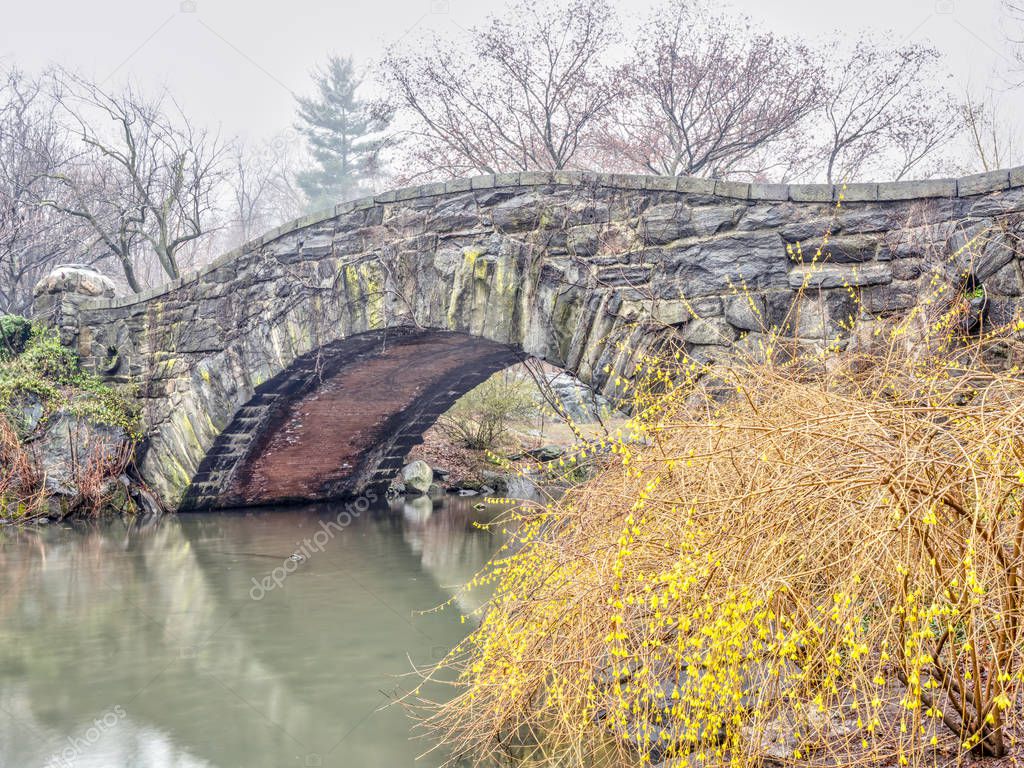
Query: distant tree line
[[125, 180]]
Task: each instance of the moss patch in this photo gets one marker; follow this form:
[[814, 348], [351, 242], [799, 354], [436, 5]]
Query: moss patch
[[51, 373]]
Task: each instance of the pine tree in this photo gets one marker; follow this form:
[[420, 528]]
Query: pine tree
[[343, 133]]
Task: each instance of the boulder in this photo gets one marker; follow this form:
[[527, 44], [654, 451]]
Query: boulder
[[581, 404], [520, 487], [545, 453], [70, 445], [498, 481], [417, 477], [145, 502]]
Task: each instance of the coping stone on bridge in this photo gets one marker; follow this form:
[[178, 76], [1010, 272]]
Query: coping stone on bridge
[[891, 191]]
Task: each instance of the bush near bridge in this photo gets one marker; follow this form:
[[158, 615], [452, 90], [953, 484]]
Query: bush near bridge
[[815, 560], [42, 384]]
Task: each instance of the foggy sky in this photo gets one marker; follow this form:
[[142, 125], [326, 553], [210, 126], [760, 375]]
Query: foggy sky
[[235, 64]]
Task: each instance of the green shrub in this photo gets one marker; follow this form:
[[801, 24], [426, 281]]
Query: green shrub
[[45, 356], [481, 417], [51, 373], [15, 332]]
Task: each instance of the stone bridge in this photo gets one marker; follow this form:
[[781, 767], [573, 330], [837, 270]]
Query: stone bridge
[[306, 363]]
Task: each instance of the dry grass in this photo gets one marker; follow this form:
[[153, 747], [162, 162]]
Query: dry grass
[[95, 477], [816, 561], [21, 494]]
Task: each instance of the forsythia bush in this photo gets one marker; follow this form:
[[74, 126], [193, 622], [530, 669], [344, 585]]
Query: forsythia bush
[[813, 560]]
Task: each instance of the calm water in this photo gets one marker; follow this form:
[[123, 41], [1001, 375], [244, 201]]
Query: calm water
[[156, 648]]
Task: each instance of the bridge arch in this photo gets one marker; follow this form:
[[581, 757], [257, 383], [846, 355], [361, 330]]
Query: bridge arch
[[320, 320]]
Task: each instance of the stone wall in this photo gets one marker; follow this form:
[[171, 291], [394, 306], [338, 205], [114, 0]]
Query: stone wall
[[582, 270]]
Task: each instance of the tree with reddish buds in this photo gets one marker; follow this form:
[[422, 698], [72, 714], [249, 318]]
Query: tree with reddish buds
[[523, 93], [706, 95]]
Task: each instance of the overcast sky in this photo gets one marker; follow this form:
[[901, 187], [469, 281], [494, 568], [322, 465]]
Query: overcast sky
[[236, 63]]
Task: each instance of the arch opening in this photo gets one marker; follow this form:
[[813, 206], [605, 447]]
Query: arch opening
[[338, 422]]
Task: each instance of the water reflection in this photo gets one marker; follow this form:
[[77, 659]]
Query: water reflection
[[145, 647]]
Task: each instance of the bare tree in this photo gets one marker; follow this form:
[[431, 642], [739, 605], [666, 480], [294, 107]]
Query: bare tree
[[992, 139], [705, 95], [143, 177], [261, 186], [32, 239], [519, 93], [882, 110], [917, 141], [1013, 22]]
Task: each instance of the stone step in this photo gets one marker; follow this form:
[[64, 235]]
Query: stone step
[[205, 488], [215, 477], [261, 399]]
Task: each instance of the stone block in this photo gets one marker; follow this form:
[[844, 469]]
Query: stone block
[[672, 311], [409, 193], [506, 179], [859, 192], [628, 181], [1005, 281], [458, 185], [746, 312], [837, 276], [568, 178], [534, 178], [811, 193], [980, 183], [769, 192], [695, 185], [846, 249], [907, 269], [660, 183], [736, 189], [713, 331], [889, 299], [915, 190], [584, 240], [482, 182], [662, 224], [434, 189]]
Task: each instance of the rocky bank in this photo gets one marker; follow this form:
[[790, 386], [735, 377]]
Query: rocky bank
[[67, 441]]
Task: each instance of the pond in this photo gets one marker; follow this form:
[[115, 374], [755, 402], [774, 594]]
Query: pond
[[274, 637]]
